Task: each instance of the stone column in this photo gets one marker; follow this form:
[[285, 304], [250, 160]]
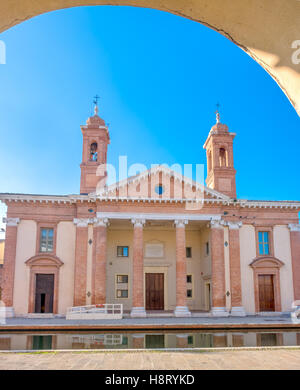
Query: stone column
[[181, 309], [218, 270], [80, 274], [295, 252], [237, 308], [99, 261], [138, 309], [9, 264]]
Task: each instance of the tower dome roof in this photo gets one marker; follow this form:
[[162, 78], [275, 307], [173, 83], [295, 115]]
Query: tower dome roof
[[95, 119]]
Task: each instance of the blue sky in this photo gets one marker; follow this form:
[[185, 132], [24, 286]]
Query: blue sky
[[159, 77]]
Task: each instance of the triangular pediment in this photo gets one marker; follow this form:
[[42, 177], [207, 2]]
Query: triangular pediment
[[173, 186]]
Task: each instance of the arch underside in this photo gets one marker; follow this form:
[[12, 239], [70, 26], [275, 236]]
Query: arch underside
[[266, 30]]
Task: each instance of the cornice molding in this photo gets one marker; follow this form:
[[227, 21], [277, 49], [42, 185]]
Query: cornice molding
[[92, 198], [266, 262], [158, 216], [44, 259]]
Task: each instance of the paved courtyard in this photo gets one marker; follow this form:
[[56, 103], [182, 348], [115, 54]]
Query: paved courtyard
[[278, 359]]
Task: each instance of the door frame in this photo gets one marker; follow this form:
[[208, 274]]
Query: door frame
[[161, 291], [273, 290], [267, 265], [52, 293], [207, 295], [43, 264], [157, 270]]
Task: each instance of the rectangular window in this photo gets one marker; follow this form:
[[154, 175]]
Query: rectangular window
[[122, 293], [122, 278], [207, 248], [46, 240], [189, 293], [190, 340], [263, 243], [122, 251], [189, 278], [188, 251]]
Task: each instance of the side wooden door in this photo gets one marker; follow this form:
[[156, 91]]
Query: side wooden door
[[266, 293]]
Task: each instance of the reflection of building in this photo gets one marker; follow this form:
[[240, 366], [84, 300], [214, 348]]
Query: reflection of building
[[61, 341], [1, 263], [156, 241]]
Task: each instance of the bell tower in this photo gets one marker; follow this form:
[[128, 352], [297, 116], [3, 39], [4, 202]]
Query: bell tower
[[94, 153], [219, 154]]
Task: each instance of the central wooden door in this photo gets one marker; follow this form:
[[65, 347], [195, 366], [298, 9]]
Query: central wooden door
[[154, 291], [44, 292], [266, 293]]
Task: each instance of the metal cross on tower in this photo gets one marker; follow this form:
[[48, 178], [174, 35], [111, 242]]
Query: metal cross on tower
[[218, 113], [96, 98]]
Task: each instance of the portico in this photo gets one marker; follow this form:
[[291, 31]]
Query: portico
[[156, 267]]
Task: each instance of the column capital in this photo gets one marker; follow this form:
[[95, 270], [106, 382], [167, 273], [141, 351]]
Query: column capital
[[82, 222], [181, 222], [294, 227], [216, 224], [101, 222], [11, 221], [138, 222], [233, 225]]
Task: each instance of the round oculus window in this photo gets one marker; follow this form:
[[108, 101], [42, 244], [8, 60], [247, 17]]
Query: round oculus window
[[159, 189]]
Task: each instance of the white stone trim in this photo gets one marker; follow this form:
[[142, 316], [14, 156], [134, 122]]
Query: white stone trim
[[101, 222], [6, 312], [11, 221], [219, 312], [233, 225], [216, 224], [159, 216], [137, 312], [180, 222], [97, 127], [238, 311], [182, 311], [138, 222], [83, 222], [294, 227]]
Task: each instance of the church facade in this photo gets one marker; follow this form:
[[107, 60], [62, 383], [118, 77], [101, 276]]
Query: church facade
[[154, 242]]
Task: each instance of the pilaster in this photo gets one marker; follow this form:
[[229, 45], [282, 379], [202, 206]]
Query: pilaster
[[9, 264], [295, 252]]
